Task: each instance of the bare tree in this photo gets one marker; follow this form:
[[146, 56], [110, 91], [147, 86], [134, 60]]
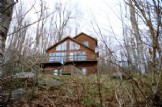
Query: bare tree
[[149, 12], [138, 38], [63, 17], [6, 7], [148, 15]]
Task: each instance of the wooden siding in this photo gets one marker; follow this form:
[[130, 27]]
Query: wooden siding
[[91, 68], [91, 55], [82, 37]]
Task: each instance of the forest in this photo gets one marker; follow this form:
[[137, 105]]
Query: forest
[[128, 33]]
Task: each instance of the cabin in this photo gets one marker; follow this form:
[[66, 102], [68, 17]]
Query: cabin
[[75, 55]]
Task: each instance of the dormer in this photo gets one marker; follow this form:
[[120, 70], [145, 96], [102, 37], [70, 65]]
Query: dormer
[[86, 40]]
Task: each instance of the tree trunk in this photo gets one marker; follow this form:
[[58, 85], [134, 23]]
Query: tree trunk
[[138, 38], [6, 7]]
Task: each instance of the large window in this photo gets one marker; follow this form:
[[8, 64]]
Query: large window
[[73, 46], [77, 56], [61, 46], [61, 56], [57, 56]]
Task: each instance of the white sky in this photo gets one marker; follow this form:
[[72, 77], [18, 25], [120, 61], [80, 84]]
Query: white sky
[[102, 10]]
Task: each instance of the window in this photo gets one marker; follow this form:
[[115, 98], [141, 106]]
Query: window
[[84, 70], [71, 56], [86, 43], [51, 57], [52, 54], [57, 72], [73, 46], [77, 56], [57, 56], [83, 56], [61, 46]]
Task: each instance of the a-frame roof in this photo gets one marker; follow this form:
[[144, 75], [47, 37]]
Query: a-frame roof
[[85, 35], [65, 40]]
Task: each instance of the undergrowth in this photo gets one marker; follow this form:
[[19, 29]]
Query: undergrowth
[[86, 91]]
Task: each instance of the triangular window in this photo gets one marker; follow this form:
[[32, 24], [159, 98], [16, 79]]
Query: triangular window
[[61, 46], [73, 46]]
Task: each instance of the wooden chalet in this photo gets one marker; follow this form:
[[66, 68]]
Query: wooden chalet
[[72, 55]]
